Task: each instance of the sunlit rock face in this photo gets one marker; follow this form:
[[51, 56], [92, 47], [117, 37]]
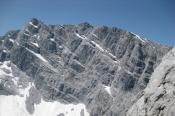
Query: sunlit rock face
[[158, 97], [74, 70]]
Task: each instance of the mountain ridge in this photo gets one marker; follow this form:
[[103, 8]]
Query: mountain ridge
[[100, 67]]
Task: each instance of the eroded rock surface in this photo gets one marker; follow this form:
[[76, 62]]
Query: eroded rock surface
[[102, 67], [159, 96]]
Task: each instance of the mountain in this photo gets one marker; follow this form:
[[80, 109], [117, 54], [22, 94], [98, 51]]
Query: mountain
[[74, 70]]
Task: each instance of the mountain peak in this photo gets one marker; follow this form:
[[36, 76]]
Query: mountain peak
[[77, 65], [34, 21], [86, 24]]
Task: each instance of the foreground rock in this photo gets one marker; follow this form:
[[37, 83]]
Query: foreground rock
[[158, 98]]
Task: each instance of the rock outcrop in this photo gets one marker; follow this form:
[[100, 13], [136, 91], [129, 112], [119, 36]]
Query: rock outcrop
[[158, 98]]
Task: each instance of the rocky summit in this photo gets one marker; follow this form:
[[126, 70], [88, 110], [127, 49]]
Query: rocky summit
[[84, 70]]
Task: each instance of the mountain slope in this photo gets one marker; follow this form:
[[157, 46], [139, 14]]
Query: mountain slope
[[158, 97], [104, 68]]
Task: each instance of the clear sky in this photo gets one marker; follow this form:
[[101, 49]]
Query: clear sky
[[153, 19]]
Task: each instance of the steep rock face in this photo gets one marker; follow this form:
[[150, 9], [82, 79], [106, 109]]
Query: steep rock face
[[159, 96], [104, 68]]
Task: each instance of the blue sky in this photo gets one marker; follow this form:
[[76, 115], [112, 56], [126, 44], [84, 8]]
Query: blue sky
[[153, 19]]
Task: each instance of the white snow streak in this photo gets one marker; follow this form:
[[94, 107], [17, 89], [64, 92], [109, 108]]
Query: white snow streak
[[4, 51], [52, 39], [98, 46], [138, 37], [35, 44], [11, 40], [33, 25], [108, 89], [37, 55], [85, 38], [61, 47], [34, 35], [82, 37], [26, 34], [38, 37], [110, 54]]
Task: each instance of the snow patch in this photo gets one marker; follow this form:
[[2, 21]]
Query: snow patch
[[98, 46], [5, 51], [35, 44], [11, 40], [5, 65], [26, 34], [138, 37], [108, 89], [61, 47], [34, 35], [12, 106], [38, 37], [94, 43], [55, 108], [17, 43], [107, 52], [35, 26], [37, 55], [25, 92], [15, 106], [52, 39], [82, 37], [112, 56]]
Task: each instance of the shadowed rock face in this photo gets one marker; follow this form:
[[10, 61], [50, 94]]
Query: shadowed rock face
[[74, 63]]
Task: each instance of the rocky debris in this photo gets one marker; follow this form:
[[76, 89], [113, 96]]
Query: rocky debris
[[159, 95], [73, 63]]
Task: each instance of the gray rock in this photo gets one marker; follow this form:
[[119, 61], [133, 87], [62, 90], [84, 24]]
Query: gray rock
[[82, 112], [73, 63], [158, 97], [33, 98], [61, 114]]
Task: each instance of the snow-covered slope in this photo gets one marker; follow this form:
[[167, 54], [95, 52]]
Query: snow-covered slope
[[16, 104]]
